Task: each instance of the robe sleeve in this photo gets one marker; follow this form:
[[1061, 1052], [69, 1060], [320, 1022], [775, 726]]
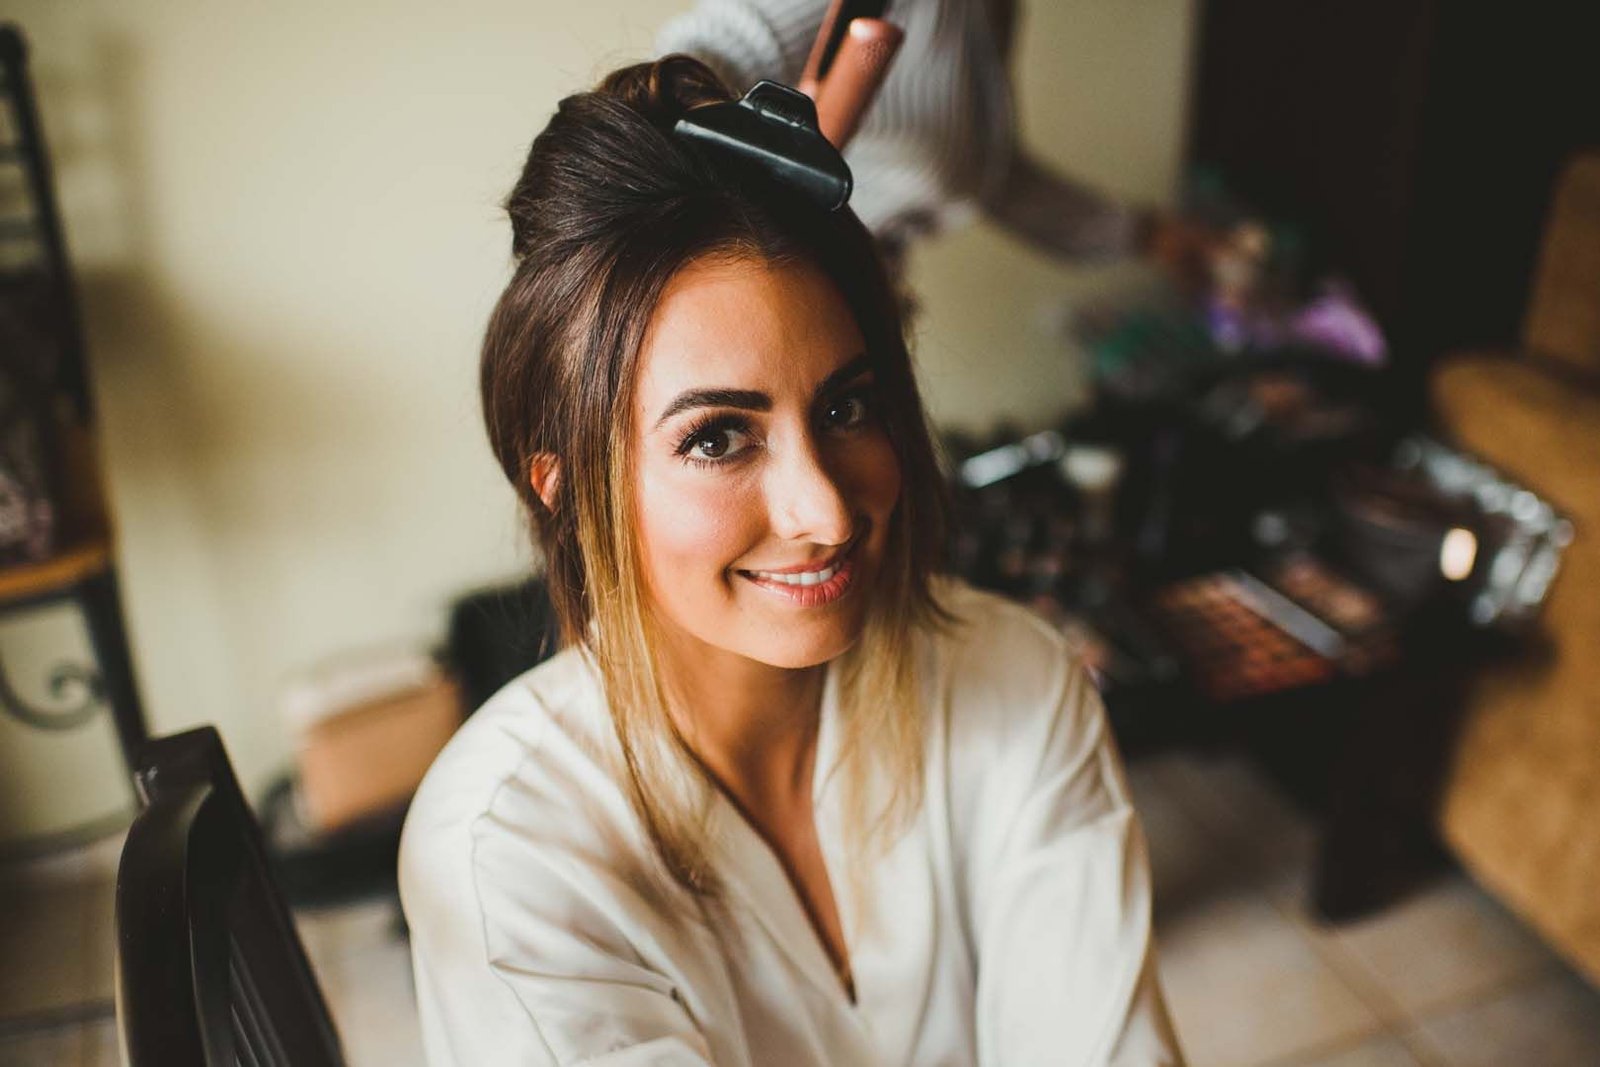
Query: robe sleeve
[[1061, 899], [515, 966], [746, 40]]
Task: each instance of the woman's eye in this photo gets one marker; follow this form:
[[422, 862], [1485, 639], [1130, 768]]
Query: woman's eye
[[846, 413], [714, 443]]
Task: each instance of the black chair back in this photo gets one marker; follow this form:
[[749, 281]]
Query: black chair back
[[210, 970]]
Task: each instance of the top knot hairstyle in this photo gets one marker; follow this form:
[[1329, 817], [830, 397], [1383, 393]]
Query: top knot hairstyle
[[609, 207]]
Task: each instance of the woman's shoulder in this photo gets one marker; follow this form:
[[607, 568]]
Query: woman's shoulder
[[991, 639], [528, 777], [517, 725], [527, 881], [1004, 677]]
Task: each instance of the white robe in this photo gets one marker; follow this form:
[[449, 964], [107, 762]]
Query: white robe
[[1010, 925]]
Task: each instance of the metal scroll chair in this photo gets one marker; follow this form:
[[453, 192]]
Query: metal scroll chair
[[210, 970], [43, 355]]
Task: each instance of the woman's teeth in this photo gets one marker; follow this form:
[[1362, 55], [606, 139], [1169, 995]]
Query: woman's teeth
[[803, 578]]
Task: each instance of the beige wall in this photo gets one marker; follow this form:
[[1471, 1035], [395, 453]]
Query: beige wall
[[285, 219]]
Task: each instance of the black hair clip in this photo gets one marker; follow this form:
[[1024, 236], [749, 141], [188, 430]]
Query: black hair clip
[[775, 129]]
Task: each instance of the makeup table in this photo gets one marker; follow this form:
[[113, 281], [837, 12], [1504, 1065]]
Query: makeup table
[[1242, 630]]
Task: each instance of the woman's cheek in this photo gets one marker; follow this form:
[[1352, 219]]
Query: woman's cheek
[[698, 519], [875, 474]]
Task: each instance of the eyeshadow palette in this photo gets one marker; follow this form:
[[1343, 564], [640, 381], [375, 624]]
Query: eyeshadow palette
[[1341, 603], [1240, 638], [1357, 613], [1297, 624]]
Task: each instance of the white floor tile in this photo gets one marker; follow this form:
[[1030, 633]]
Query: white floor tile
[[1183, 855], [319, 933], [364, 967], [1550, 1022], [1269, 842], [376, 1011], [1246, 986], [1447, 944]]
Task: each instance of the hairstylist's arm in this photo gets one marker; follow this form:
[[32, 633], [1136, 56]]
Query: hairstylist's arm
[[1061, 216], [1073, 221], [746, 40]]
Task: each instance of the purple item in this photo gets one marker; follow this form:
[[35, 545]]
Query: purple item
[[1227, 326], [1337, 324], [1235, 330]]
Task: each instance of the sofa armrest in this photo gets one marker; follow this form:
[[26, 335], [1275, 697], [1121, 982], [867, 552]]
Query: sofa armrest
[[1536, 424], [1521, 797]]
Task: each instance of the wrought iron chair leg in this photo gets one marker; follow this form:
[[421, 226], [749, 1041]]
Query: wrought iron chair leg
[[102, 611]]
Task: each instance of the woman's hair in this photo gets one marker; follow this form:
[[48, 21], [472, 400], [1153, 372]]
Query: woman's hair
[[610, 206]]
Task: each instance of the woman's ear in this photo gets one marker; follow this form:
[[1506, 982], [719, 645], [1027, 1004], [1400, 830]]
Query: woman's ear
[[544, 473]]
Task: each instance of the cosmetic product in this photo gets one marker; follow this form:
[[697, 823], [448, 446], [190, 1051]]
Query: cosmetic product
[[1390, 530], [998, 464], [1342, 603], [1238, 638], [1357, 613], [1094, 471], [1518, 538]]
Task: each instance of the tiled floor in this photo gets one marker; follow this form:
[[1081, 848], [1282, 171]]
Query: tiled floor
[[1446, 979]]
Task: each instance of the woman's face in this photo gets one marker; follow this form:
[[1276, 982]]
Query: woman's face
[[765, 478]]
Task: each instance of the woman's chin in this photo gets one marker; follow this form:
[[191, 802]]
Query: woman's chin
[[804, 660], [796, 648]]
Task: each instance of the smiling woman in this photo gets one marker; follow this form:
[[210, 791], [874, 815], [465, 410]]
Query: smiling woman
[[764, 510], [787, 797]]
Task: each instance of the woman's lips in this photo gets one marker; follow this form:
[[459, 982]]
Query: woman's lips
[[810, 586]]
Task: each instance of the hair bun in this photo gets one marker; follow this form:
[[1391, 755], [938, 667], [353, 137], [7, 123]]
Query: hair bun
[[611, 152], [663, 90]]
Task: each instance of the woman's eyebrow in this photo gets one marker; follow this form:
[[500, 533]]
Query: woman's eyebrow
[[748, 399], [753, 400], [858, 366]]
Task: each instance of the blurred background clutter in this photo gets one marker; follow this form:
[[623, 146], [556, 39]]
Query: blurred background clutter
[[1317, 502]]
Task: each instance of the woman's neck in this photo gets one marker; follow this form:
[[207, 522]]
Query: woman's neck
[[753, 726]]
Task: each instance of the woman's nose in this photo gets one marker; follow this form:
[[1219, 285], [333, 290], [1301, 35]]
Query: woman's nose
[[806, 500]]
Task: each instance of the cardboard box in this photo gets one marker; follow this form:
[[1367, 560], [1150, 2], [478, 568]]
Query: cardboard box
[[364, 757]]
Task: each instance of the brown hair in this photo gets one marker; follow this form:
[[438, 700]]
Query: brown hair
[[609, 207]]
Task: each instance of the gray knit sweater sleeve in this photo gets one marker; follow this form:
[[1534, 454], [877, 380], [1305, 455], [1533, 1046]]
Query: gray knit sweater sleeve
[[746, 40], [1060, 215], [939, 139]]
